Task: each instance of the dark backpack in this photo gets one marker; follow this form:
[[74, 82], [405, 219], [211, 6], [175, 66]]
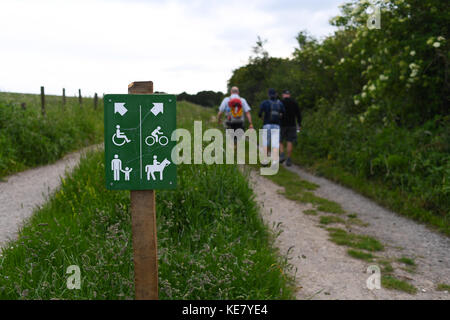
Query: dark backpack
[[275, 111]]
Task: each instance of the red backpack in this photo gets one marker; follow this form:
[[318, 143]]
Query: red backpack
[[236, 110]]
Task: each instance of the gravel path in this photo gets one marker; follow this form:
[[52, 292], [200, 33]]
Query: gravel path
[[22, 193], [325, 271]]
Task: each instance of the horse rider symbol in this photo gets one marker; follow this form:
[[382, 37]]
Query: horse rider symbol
[[156, 167]]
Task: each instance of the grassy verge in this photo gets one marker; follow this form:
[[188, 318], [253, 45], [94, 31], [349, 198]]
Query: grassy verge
[[28, 139], [443, 287], [212, 242], [393, 283]]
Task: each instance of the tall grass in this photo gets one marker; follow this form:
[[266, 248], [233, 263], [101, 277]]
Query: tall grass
[[28, 139]]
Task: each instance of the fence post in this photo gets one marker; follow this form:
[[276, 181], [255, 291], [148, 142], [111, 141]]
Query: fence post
[[143, 221], [95, 101], [79, 97], [64, 97], [42, 101], [23, 105]]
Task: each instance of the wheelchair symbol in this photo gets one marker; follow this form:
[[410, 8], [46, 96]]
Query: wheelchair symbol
[[120, 135]]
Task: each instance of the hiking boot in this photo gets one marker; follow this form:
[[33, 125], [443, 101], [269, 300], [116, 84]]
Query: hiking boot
[[289, 162], [282, 158]]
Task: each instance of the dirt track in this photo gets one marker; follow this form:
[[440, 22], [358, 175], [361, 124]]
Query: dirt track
[[325, 271], [22, 193]]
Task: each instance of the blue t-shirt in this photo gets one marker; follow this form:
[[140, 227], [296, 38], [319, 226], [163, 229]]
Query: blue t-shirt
[[265, 108]]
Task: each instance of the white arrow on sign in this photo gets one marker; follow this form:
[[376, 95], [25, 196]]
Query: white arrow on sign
[[157, 108], [120, 108]]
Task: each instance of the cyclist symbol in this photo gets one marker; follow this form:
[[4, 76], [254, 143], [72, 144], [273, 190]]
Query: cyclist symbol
[[120, 135], [156, 137]]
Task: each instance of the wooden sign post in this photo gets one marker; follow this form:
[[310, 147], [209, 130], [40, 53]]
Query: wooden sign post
[[143, 216], [138, 128]]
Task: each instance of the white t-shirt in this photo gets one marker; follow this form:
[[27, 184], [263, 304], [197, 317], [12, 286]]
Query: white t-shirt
[[224, 105]]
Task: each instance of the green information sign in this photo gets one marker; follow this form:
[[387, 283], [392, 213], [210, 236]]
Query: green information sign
[[138, 147]]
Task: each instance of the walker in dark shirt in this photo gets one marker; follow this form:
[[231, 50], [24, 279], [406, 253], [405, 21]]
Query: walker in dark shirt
[[292, 113]]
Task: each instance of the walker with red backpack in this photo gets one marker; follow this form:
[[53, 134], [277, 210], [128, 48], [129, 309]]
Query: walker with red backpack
[[235, 112]]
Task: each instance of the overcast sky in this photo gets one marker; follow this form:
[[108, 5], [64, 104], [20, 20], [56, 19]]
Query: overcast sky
[[102, 45]]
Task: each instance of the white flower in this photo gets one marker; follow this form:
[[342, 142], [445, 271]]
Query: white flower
[[436, 44], [357, 102], [361, 118], [342, 60], [372, 87], [364, 95], [412, 53], [441, 38], [383, 77], [414, 66]]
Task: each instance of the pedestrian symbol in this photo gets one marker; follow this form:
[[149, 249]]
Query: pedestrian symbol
[[116, 166], [138, 146]]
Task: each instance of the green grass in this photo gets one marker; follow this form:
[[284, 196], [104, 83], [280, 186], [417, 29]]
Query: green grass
[[443, 287], [27, 139], [300, 190], [212, 241], [352, 219], [360, 255], [310, 212], [407, 261], [343, 238], [386, 266], [392, 283], [326, 220]]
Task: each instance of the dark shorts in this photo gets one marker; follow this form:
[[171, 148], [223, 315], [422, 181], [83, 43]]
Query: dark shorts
[[235, 126], [288, 134]]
